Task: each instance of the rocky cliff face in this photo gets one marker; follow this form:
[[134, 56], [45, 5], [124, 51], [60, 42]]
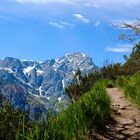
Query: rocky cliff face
[[39, 86]]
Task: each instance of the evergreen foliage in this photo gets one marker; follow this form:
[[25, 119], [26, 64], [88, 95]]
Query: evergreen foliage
[[132, 64], [12, 121]]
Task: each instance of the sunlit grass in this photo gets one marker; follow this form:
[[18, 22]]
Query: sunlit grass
[[78, 121], [131, 86]]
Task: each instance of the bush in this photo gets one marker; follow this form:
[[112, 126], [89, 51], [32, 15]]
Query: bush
[[122, 81], [110, 84]]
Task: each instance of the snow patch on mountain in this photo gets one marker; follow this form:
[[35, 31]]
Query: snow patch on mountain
[[63, 83], [28, 69], [39, 72]]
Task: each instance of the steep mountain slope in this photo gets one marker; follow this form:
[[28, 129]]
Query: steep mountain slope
[[39, 86]]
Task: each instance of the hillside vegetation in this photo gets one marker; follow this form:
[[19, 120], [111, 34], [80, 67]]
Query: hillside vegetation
[[77, 122], [109, 71], [131, 86]]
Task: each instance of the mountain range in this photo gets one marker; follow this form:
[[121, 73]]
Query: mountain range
[[40, 86]]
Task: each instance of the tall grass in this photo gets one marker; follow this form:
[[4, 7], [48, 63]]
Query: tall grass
[[131, 86], [85, 116]]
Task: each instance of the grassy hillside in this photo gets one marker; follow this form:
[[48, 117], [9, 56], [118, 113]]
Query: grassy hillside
[[78, 121], [131, 86]]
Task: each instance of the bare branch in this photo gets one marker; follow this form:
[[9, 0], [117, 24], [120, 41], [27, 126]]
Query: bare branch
[[132, 31]]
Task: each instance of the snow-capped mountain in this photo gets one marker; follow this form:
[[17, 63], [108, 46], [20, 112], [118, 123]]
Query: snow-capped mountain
[[39, 86]]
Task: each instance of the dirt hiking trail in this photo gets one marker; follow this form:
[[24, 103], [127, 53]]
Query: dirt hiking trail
[[125, 122]]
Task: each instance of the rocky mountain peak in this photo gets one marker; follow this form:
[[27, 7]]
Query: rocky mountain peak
[[41, 84]]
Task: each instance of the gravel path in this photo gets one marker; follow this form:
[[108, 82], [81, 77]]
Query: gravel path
[[125, 119]]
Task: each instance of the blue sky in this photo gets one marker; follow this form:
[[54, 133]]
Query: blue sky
[[45, 29]]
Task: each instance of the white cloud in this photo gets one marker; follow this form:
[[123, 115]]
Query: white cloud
[[32, 1], [44, 1], [110, 3], [104, 4], [81, 17], [120, 48], [56, 25], [102, 9], [97, 23], [93, 5], [66, 23], [120, 22], [60, 24]]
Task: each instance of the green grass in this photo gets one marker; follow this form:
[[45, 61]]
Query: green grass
[[76, 123], [131, 86], [80, 120]]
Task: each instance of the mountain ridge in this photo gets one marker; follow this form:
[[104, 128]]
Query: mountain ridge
[[42, 83]]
